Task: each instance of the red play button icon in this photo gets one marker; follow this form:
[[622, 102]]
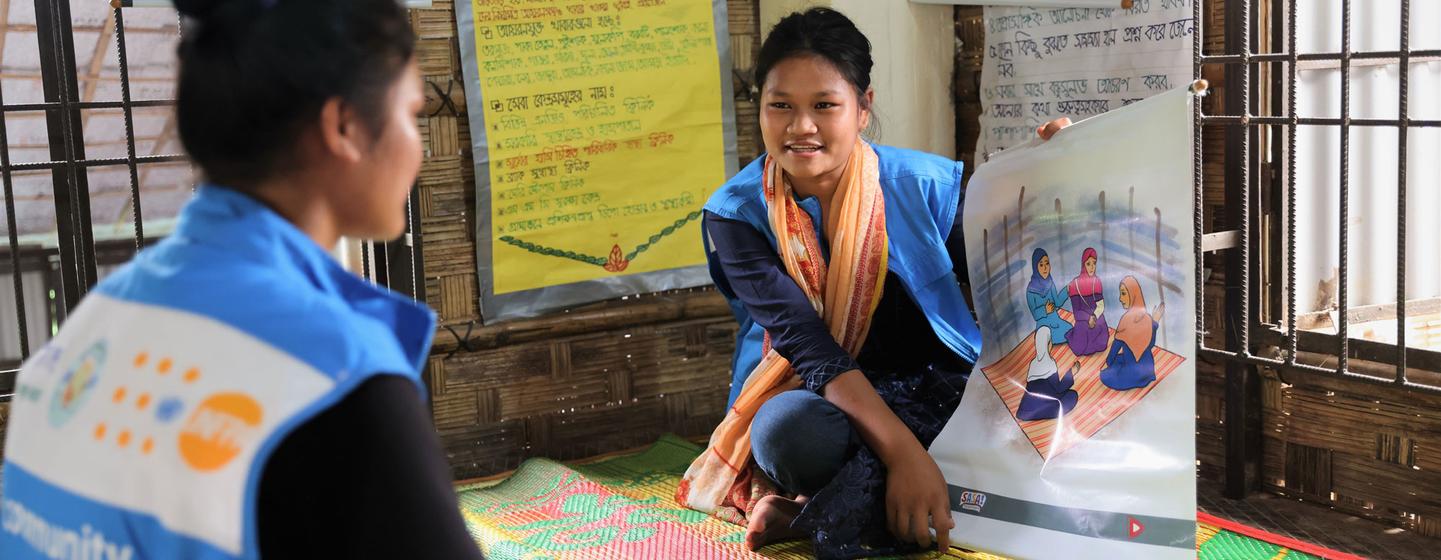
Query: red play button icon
[[1136, 528]]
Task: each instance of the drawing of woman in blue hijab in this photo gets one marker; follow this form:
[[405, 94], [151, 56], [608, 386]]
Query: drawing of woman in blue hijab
[[1044, 300]]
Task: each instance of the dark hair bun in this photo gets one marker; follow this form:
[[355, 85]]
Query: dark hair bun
[[821, 32], [254, 72]]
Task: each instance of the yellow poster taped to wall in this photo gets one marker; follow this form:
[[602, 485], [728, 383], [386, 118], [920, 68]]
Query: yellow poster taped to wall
[[603, 135]]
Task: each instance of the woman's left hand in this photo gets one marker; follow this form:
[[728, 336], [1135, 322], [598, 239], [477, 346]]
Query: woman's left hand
[[1046, 131]]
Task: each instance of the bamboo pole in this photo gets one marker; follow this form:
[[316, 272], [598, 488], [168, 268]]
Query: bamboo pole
[[1160, 287], [668, 308], [1101, 248], [1060, 239], [1006, 264], [990, 286], [1131, 218]]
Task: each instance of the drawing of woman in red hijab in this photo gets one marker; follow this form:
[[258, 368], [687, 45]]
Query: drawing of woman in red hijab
[[1091, 333]]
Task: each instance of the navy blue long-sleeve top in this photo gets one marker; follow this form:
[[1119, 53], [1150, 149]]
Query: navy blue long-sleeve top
[[900, 338]]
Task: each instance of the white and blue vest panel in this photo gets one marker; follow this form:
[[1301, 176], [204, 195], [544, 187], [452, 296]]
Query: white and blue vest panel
[[139, 419], [142, 429]]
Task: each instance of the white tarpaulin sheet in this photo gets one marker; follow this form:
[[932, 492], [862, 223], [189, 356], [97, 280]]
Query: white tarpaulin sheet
[[1074, 434]]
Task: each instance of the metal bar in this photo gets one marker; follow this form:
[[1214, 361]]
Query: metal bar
[[75, 148], [70, 198], [7, 384], [365, 261], [1314, 343], [51, 105], [1405, 68], [417, 246], [1372, 351], [1307, 57], [1238, 216], [417, 270], [135, 213], [1343, 355], [1261, 120], [99, 162], [1291, 78], [1369, 313], [1327, 372], [13, 233], [1198, 183]]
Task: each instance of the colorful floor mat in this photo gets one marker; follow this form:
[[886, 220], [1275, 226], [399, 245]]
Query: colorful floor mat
[[622, 507]]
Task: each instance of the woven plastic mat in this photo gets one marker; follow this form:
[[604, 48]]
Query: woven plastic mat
[[623, 506]]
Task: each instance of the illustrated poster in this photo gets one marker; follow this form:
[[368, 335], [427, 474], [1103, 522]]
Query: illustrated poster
[[1077, 429]]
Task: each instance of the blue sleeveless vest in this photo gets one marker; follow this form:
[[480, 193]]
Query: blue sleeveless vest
[[922, 192], [142, 429]]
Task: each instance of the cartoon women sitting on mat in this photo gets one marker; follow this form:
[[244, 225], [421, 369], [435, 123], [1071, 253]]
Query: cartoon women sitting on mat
[[1043, 298], [1131, 363], [1048, 394], [1090, 333]]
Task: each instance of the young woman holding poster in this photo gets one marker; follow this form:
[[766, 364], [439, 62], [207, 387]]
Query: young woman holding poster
[[233, 392], [840, 259]]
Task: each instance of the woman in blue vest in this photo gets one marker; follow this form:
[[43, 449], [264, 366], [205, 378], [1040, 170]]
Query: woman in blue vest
[[840, 260], [233, 392]]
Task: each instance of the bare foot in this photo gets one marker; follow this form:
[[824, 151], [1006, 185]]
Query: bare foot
[[770, 521]]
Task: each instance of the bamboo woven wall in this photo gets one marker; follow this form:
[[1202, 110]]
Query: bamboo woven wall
[[1364, 449], [590, 380]]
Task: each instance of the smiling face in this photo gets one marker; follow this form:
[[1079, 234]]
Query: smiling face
[[1044, 267], [1091, 266], [811, 118]]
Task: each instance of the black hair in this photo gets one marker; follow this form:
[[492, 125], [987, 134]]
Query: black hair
[[819, 32], [254, 73]]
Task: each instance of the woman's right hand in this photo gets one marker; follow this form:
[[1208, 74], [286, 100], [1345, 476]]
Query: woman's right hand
[[918, 501], [1050, 308]]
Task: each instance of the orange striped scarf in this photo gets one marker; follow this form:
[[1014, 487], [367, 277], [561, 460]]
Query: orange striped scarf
[[723, 480]]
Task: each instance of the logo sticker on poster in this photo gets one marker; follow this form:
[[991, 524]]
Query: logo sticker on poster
[[973, 501]]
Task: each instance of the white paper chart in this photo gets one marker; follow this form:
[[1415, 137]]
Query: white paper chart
[[1046, 63]]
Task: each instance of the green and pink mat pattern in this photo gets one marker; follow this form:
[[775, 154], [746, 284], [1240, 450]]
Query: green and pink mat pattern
[[622, 506]]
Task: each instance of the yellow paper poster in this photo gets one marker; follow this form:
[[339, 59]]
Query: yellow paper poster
[[604, 128]]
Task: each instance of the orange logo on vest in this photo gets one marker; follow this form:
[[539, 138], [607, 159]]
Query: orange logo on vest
[[218, 429]]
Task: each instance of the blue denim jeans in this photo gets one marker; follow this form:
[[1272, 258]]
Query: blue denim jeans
[[801, 440]]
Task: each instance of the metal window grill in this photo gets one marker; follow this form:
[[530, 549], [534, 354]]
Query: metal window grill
[[396, 264], [1250, 120]]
